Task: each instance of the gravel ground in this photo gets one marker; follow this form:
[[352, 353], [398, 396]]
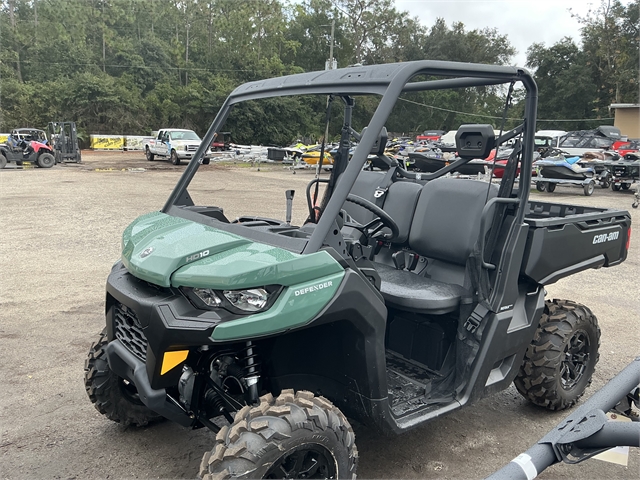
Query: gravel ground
[[60, 235]]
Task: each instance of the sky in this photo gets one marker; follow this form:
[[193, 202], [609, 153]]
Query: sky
[[523, 21]]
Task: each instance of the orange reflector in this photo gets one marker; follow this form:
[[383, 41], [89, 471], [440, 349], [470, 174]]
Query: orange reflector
[[172, 359]]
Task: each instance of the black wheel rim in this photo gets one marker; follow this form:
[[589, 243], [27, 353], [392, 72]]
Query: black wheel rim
[[576, 360], [305, 461]]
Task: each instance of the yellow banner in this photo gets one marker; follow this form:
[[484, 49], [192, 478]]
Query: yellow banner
[[107, 142], [4, 137]]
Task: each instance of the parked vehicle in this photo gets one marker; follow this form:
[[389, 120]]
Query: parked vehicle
[[64, 141], [583, 141], [403, 297], [430, 135], [624, 147], [624, 172], [27, 145], [547, 141], [175, 144], [221, 142]]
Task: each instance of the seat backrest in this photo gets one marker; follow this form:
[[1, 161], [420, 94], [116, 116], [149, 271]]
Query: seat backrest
[[399, 201], [446, 222]]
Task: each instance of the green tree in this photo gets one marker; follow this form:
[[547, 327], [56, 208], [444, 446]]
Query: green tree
[[566, 91], [611, 39]]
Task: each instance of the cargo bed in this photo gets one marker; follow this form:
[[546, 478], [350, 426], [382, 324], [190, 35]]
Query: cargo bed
[[566, 239]]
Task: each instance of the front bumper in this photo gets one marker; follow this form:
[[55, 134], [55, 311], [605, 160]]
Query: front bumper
[[189, 155], [148, 321], [126, 365]]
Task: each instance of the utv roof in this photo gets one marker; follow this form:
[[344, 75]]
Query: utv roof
[[375, 79]]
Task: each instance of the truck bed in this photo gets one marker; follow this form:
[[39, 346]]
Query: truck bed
[[566, 239]]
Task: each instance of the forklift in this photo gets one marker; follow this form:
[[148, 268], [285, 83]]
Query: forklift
[[63, 138]]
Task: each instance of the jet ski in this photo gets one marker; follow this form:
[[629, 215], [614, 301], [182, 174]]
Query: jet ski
[[564, 171]]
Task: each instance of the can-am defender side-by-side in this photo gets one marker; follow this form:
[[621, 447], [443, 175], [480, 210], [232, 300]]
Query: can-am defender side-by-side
[[404, 295]]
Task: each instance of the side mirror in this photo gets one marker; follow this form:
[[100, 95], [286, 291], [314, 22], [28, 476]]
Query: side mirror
[[475, 141], [380, 144]]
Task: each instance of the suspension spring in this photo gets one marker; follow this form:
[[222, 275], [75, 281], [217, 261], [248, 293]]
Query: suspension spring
[[252, 372]]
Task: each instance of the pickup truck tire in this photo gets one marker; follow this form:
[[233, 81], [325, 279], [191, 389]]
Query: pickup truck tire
[[46, 160], [292, 436], [174, 158], [3, 161], [562, 357], [150, 156], [112, 396]]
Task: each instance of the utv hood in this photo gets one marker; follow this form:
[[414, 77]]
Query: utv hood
[[172, 251]]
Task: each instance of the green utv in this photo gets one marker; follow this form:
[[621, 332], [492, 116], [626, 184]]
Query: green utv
[[404, 296]]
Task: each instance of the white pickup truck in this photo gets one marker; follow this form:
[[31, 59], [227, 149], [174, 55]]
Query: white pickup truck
[[174, 143]]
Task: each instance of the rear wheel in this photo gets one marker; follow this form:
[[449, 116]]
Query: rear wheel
[[291, 436], [114, 397], [540, 186], [46, 160], [150, 156], [626, 186], [551, 187], [562, 357], [174, 158], [615, 187], [589, 188], [3, 161]]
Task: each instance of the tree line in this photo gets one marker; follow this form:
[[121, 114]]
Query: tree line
[[130, 66]]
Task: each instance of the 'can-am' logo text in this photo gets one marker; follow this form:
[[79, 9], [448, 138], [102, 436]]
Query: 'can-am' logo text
[[313, 288], [605, 237], [196, 256]]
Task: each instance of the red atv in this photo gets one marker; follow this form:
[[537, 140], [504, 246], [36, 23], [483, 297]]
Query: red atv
[[27, 145]]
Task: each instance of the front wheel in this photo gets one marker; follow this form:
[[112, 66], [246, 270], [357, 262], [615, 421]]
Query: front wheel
[[3, 161], [114, 397], [46, 160], [292, 436], [562, 357], [174, 158]]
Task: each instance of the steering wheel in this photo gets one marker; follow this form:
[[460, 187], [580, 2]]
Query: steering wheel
[[374, 227]]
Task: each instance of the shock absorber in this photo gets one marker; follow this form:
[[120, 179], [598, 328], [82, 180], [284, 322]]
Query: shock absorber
[[252, 373]]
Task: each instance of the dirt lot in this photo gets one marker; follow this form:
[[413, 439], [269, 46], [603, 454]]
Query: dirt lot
[[60, 235]]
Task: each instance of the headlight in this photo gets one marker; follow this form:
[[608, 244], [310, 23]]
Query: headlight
[[208, 296], [253, 300], [245, 301]]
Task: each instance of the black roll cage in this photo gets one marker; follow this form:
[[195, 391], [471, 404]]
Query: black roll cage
[[389, 81]]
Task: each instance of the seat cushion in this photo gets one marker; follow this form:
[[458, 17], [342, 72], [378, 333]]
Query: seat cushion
[[408, 291]]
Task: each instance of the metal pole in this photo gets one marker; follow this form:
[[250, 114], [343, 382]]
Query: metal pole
[[333, 29]]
